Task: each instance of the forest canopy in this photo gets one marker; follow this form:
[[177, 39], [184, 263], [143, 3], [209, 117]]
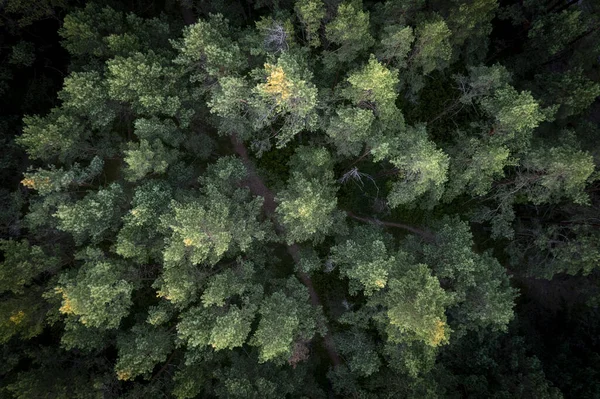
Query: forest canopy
[[300, 199]]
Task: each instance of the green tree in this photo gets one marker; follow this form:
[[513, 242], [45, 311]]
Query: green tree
[[349, 30], [98, 295], [299, 199], [311, 13]]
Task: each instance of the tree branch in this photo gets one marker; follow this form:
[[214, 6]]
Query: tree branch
[[423, 233]]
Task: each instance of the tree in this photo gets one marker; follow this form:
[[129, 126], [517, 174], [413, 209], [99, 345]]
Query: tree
[[287, 93], [364, 259], [300, 199], [311, 13], [431, 51], [97, 295], [415, 307], [140, 350], [94, 217], [307, 206], [285, 317], [350, 32], [22, 264]]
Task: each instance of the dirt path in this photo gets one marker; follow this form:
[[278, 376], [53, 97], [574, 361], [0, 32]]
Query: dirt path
[[258, 187]]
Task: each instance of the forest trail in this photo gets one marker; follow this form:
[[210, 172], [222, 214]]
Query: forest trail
[[258, 187]]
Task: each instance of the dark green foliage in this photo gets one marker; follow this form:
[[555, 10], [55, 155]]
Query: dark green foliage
[[299, 198]]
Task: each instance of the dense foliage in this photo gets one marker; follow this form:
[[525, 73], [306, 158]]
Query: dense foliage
[[300, 198]]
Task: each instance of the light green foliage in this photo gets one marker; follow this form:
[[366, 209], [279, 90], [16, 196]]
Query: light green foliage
[[140, 349], [396, 44], [104, 32], [557, 249], [98, 294], [139, 238], [313, 162], [311, 13], [57, 135], [86, 94], [189, 382], [221, 287], [309, 261], [229, 100], [231, 329], [284, 318], [160, 314], [141, 35], [144, 158], [153, 129], [146, 81], [208, 228], [179, 282], [205, 50], [482, 81], [218, 323], [579, 256], [82, 337], [422, 168], [415, 305], [189, 219], [83, 30], [374, 88], [22, 263], [94, 217], [480, 154], [413, 358], [431, 51], [194, 327], [451, 257], [547, 175], [231, 282], [349, 129], [350, 31], [47, 181], [365, 260], [478, 285], [515, 114], [223, 218], [474, 165], [555, 173], [489, 301], [287, 93], [306, 208], [66, 133]]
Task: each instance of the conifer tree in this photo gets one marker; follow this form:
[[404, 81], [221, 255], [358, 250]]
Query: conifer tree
[[304, 198]]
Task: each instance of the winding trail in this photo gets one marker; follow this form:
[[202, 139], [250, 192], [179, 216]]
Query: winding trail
[[257, 187]]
